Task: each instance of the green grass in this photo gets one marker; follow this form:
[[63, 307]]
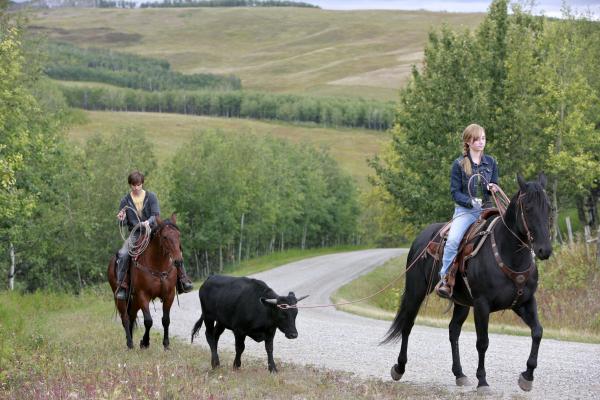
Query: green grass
[[565, 291], [64, 346], [349, 147], [323, 52]]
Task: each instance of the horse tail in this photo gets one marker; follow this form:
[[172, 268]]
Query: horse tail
[[395, 331], [415, 287], [197, 327]]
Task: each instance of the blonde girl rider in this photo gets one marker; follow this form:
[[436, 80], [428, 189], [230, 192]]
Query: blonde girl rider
[[470, 195]]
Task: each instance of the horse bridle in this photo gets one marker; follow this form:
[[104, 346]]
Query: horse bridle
[[527, 230], [163, 274]]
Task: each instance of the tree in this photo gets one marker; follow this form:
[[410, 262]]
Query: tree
[[529, 81]]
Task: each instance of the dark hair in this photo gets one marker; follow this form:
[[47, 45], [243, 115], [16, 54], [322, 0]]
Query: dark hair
[[135, 178]]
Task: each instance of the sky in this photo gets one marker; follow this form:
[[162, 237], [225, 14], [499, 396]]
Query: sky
[[550, 8]]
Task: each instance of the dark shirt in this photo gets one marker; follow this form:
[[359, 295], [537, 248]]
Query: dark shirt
[[150, 210], [459, 180]]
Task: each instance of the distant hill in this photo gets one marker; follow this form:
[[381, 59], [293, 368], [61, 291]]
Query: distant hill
[[158, 4], [281, 49], [60, 3]]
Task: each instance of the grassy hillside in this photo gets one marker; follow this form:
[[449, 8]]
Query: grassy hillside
[[349, 147], [355, 53]]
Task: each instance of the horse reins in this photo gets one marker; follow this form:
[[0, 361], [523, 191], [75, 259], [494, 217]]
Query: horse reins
[[502, 201]]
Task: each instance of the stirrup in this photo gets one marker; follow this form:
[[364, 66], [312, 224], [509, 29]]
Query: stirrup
[[443, 290]]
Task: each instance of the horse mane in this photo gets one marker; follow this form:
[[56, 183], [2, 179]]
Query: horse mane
[[164, 223], [535, 194]]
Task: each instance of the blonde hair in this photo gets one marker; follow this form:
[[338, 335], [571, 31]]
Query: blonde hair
[[471, 132]]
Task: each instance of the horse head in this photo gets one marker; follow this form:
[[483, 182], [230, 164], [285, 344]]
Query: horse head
[[533, 215], [169, 239]]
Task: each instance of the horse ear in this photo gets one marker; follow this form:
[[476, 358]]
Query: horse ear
[[521, 182], [542, 180], [158, 220], [174, 218]]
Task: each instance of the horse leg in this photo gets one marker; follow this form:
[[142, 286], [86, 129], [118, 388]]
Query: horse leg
[[166, 321], [131, 315], [210, 338], [482, 319], [528, 313], [145, 342], [239, 349], [127, 325], [411, 302], [459, 316]]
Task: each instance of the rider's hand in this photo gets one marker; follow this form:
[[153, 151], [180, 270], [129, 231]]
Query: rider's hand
[[121, 215], [476, 203], [146, 224], [492, 187]]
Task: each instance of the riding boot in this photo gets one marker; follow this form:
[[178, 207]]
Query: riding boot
[[443, 289], [122, 278], [184, 284]]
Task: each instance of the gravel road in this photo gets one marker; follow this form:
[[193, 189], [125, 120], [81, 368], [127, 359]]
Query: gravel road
[[337, 340]]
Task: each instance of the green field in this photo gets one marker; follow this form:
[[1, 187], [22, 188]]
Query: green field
[[349, 147], [281, 49]]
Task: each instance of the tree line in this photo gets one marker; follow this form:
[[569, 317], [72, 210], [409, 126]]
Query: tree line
[[328, 111], [533, 83], [236, 197], [195, 94], [226, 3], [68, 62]]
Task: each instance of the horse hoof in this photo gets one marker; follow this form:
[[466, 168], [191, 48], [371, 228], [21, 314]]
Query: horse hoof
[[484, 390], [463, 381], [395, 375], [524, 384]]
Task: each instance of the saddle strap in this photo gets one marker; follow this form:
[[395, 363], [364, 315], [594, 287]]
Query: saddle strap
[[162, 275], [485, 234], [519, 278], [473, 253]]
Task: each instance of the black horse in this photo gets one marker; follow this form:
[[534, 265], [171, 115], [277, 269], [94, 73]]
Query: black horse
[[501, 276]]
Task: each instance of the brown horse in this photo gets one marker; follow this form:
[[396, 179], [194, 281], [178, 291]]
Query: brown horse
[[153, 275]]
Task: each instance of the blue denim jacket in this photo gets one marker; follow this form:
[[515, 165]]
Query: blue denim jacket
[[459, 180]]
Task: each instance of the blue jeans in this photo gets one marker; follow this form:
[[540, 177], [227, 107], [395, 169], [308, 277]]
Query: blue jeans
[[462, 219]]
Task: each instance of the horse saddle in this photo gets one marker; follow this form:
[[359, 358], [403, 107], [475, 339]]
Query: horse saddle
[[469, 245]]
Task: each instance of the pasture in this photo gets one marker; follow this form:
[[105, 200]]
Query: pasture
[[321, 52], [349, 147]]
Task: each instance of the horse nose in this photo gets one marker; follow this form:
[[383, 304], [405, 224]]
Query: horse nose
[[544, 252]]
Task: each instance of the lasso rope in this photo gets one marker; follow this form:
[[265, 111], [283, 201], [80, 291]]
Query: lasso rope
[[135, 247]]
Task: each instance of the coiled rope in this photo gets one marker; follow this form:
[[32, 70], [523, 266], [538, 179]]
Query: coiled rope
[[135, 247]]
